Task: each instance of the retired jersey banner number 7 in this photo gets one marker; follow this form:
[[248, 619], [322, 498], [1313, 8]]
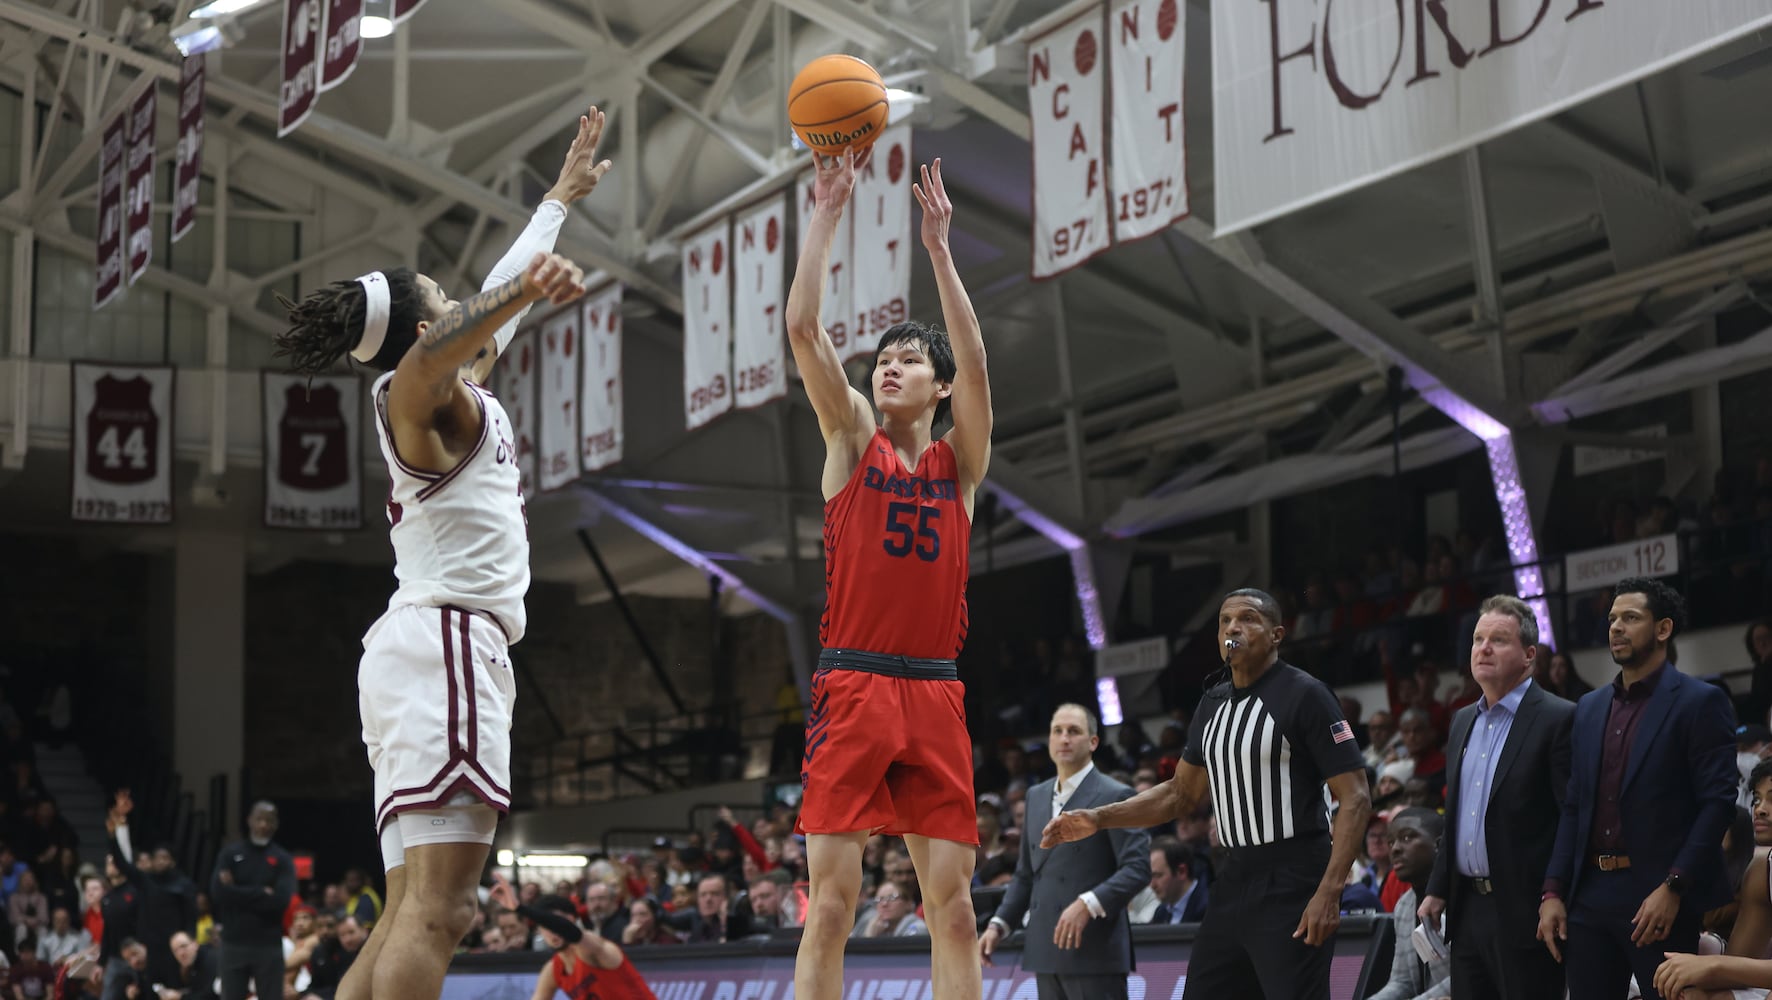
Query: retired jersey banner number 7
[[313, 469]]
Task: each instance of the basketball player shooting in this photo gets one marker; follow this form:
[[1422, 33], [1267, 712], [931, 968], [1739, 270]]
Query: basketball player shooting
[[886, 742], [434, 686]]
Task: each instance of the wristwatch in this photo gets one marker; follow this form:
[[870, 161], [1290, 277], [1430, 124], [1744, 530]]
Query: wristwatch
[[1676, 883]]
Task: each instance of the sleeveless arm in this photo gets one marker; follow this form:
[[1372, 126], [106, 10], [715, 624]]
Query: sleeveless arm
[[544, 983], [842, 411]]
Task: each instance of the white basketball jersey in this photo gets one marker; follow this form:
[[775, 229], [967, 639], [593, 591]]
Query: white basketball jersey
[[460, 537]]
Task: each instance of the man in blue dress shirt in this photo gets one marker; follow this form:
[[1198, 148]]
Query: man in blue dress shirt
[[1507, 767]]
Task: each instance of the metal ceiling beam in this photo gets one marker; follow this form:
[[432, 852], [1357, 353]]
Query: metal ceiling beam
[[1599, 160], [862, 26], [1680, 374], [347, 139]]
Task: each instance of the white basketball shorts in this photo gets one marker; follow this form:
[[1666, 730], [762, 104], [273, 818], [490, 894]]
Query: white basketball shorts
[[435, 690]]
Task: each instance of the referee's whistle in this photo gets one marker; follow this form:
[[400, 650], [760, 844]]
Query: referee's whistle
[[1233, 644]]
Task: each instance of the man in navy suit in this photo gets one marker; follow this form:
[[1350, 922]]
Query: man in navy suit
[[1180, 894], [1638, 856]]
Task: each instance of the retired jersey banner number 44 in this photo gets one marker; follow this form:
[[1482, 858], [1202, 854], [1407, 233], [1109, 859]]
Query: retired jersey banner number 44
[[313, 469], [122, 457]]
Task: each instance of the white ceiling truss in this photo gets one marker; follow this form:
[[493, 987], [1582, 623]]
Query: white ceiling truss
[[1560, 264]]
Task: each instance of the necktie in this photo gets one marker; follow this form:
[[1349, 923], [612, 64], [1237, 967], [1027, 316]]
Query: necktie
[[1165, 914]]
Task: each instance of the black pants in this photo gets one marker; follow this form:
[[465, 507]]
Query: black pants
[[245, 966], [1052, 986], [1599, 954], [1245, 948], [1489, 959]]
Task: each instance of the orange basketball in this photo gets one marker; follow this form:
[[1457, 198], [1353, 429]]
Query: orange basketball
[[836, 102]]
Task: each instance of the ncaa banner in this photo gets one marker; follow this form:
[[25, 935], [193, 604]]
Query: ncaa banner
[[600, 400], [759, 362], [404, 9], [557, 413], [108, 280], [122, 443], [834, 310], [190, 147], [1066, 104], [140, 182], [517, 372], [304, 25], [1305, 108], [1148, 167], [883, 244], [344, 42], [707, 324], [313, 469]]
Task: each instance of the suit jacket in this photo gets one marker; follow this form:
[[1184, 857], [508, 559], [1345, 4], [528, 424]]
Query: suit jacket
[[1678, 794], [1113, 864], [1144, 906], [1530, 780]]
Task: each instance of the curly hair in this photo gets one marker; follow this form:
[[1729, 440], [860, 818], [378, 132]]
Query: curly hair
[[1664, 601], [328, 322]]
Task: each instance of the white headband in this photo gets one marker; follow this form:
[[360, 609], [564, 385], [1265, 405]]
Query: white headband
[[378, 306]]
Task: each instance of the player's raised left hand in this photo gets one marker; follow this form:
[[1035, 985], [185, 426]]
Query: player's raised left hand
[[1067, 827], [938, 209], [1321, 917], [582, 170]]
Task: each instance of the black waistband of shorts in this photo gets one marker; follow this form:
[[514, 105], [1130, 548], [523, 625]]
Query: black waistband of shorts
[[915, 668]]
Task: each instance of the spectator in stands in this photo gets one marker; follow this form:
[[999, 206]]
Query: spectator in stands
[[63, 939], [1561, 679], [132, 983], [711, 920], [762, 907], [899, 872], [332, 958], [332, 899], [28, 908], [92, 912], [198, 970], [253, 882], [998, 871], [1422, 739], [492, 939], [298, 949], [1753, 743], [166, 905], [58, 881], [121, 907], [990, 831], [894, 915], [205, 920], [644, 926], [1180, 897], [514, 931], [1381, 732], [1412, 837], [1668, 818], [604, 914], [1759, 655], [47, 834], [31, 976], [361, 899], [11, 869]]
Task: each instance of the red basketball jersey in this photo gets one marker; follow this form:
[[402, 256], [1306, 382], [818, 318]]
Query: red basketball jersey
[[122, 431], [588, 982], [896, 545], [312, 450]]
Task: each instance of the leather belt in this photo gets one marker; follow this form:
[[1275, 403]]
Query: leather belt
[[1482, 886], [1612, 862]]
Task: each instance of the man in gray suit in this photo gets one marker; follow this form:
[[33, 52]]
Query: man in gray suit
[[1074, 896]]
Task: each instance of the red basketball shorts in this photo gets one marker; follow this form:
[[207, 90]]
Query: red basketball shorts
[[887, 754]]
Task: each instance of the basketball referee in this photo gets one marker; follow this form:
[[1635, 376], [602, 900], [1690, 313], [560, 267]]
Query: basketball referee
[[1265, 743]]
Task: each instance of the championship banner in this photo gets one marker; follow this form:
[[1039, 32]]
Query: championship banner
[[304, 25], [313, 468], [557, 413], [1065, 105], [839, 290], [884, 245], [600, 398], [707, 324], [759, 357], [344, 42], [1149, 161], [109, 278], [517, 371], [1303, 111], [122, 456], [190, 147], [140, 182], [404, 9]]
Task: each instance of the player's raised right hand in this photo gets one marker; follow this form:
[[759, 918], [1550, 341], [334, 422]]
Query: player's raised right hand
[[1069, 826], [553, 277]]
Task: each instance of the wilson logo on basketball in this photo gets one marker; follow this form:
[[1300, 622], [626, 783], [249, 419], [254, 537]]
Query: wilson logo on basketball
[[839, 138]]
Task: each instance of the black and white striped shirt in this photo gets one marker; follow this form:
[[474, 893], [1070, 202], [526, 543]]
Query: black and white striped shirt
[[1268, 750]]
